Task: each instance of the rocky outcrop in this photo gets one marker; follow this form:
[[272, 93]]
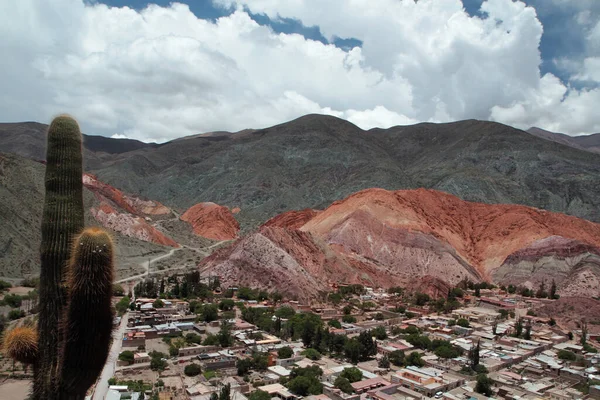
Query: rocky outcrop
[[413, 237], [131, 204], [130, 225], [573, 265], [212, 221]]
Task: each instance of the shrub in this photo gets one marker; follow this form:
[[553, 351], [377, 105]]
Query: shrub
[[192, 370]]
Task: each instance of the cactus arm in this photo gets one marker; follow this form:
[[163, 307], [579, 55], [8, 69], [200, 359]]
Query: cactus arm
[[89, 317]]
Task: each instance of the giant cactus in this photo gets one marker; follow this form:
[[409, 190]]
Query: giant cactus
[[75, 318]]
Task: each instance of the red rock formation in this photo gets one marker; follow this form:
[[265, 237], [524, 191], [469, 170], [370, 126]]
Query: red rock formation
[[130, 225], [131, 204], [482, 234], [293, 219], [383, 238], [235, 210], [212, 221]]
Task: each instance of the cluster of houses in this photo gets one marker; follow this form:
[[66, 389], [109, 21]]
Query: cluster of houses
[[518, 368]]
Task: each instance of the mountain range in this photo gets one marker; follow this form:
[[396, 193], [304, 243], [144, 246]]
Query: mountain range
[[318, 201]]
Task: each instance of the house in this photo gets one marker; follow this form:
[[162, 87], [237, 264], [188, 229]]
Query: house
[[427, 381], [278, 390], [369, 384], [140, 358]]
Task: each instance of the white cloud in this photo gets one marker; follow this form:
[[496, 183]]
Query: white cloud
[[162, 73]]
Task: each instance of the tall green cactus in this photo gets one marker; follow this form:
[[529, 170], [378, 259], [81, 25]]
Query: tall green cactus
[[75, 319], [61, 221]]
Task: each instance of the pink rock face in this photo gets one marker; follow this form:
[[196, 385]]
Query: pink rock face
[[385, 238], [130, 225], [573, 265], [212, 221], [131, 204], [482, 234]]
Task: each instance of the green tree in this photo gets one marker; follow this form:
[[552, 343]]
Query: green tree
[[396, 357], [343, 384], [352, 350], [463, 322], [567, 355], [226, 304], [312, 354], [305, 386], [484, 385], [368, 345], [353, 374], [13, 300], [335, 324], [192, 338], [421, 299], [192, 369], [348, 319], [527, 335], [259, 395], [4, 285], [16, 314], [243, 365], [379, 333], [127, 356], [122, 305], [285, 352], [210, 312], [158, 303], [474, 355], [224, 335], [415, 359], [158, 361], [384, 362], [518, 328]]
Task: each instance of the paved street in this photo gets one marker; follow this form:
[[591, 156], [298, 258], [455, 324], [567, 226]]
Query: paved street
[[109, 368]]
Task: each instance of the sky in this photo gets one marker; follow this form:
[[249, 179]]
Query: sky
[[156, 71]]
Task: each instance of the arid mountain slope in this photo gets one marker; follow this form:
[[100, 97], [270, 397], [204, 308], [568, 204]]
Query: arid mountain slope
[[589, 143], [314, 160], [142, 228], [385, 238], [21, 204]]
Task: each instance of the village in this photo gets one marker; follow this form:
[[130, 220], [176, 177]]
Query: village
[[180, 338]]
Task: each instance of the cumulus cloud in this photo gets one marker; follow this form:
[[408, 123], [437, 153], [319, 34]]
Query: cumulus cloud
[[162, 73]]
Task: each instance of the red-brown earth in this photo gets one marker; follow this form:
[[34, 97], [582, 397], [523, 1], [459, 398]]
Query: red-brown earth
[[130, 225], [125, 214], [212, 221], [386, 238]]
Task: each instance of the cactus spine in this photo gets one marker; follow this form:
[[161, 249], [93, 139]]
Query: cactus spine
[[89, 316], [75, 318]]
